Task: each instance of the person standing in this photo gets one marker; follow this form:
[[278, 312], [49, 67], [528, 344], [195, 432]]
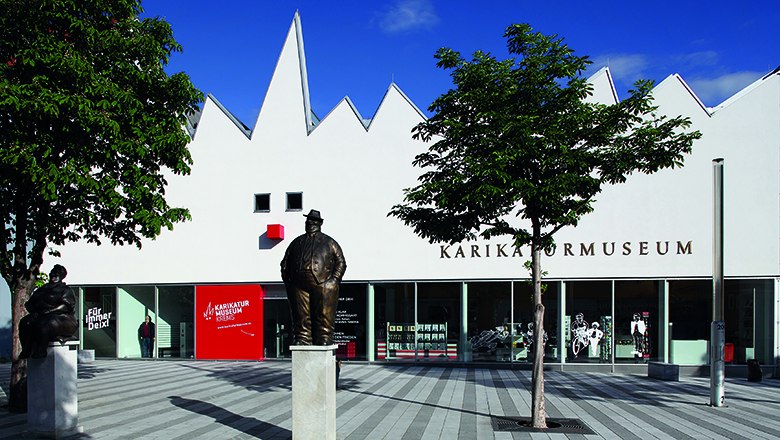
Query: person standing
[[312, 269], [146, 336]]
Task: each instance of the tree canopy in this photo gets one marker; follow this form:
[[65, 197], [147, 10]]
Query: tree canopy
[[518, 149], [90, 123]]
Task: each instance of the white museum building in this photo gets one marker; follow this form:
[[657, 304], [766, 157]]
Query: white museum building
[[630, 284]]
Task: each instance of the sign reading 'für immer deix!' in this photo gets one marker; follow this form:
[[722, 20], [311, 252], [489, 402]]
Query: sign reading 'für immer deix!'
[[95, 319]]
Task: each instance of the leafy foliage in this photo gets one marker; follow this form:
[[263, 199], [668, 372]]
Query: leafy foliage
[[89, 120], [90, 124], [518, 136]]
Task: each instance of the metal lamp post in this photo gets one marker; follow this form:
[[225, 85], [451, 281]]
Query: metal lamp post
[[717, 328]]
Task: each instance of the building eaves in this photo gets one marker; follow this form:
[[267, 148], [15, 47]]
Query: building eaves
[[747, 89]]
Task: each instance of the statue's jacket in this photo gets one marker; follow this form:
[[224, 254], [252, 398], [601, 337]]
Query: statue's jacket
[[317, 253]]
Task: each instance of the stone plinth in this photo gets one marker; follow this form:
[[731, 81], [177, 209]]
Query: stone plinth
[[663, 371], [314, 392], [52, 392]]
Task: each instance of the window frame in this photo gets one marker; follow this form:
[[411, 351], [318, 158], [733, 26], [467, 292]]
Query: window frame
[[268, 201], [288, 207]]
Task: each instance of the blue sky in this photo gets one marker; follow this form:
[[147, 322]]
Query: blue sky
[[356, 48]]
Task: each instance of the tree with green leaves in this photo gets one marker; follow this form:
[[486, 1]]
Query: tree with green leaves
[[517, 149], [90, 124]]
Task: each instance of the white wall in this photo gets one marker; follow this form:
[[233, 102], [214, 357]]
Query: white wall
[[354, 175]]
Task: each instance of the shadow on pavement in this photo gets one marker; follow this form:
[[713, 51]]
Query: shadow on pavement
[[248, 425], [271, 379], [432, 405], [86, 371]]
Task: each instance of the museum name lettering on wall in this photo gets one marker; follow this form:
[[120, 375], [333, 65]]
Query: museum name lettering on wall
[[592, 249], [225, 311], [95, 319]]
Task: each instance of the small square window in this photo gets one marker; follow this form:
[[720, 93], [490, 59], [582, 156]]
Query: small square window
[[295, 201], [262, 202]]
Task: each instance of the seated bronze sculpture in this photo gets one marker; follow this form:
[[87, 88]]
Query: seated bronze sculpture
[[51, 316], [312, 269]]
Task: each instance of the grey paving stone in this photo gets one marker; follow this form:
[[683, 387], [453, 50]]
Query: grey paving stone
[[187, 400]]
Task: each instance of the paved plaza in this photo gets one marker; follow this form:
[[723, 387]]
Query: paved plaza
[[186, 400]]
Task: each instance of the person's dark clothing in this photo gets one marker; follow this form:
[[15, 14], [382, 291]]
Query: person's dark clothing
[[146, 335], [312, 269], [51, 318]]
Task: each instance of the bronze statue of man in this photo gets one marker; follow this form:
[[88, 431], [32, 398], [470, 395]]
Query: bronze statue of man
[[51, 316], [312, 269]]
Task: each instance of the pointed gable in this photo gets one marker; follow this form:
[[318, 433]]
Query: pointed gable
[[396, 110], [674, 97], [286, 110], [603, 88]]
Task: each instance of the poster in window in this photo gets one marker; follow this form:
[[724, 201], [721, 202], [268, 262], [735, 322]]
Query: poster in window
[[229, 322]]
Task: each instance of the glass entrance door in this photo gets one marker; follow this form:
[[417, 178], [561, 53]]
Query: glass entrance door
[[99, 320], [276, 328]]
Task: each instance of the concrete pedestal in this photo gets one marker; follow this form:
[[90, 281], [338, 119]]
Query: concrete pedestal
[[314, 392], [663, 371], [52, 392]]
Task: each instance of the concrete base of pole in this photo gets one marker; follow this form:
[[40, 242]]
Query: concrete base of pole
[[314, 392], [52, 392], [717, 364]]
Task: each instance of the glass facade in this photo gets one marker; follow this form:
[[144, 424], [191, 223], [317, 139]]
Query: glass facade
[[636, 329], [523, 310], [690, 315], [747, 310], [438, 321], [277, 323], [99, 320], [175, 321], [588, 315], [491, 331], [501, 321], [134, 303], [394, 321], [351, 322], [600, 321]]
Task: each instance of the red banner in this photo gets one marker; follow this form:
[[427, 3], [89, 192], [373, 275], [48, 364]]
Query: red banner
[[229, 322]]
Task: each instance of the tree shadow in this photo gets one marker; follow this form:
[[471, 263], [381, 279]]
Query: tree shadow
[[416, 402], [248, 425], [579, 386], [270, 380], [346, 383], [87, 371]]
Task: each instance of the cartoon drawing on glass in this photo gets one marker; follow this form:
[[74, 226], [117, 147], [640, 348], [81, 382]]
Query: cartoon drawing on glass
[[605, 347], [529, 338], [594, 336], [638, 329], [489, 340], [579, 330]]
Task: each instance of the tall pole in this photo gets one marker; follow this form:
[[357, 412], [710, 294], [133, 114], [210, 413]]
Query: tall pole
[[717, 329]]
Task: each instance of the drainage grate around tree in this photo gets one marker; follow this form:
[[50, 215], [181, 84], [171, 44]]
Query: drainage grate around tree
[[554, 425]]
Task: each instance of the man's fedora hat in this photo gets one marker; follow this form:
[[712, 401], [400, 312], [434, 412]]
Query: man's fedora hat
[[314, 215]]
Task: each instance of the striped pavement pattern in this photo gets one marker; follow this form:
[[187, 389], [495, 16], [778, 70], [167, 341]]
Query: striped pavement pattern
[[186, 400]]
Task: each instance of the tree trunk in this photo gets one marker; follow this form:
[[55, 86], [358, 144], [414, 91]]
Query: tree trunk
[[21, 281], [17, 398], [538, 413]]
